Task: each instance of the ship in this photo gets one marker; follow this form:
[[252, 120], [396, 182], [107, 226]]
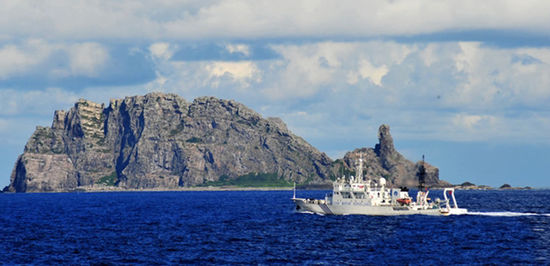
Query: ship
[[364, 196]]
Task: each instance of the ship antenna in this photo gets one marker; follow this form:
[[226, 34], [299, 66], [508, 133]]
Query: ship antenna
[[421, 174]]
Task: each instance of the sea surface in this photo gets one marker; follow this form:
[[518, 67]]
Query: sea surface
[[261, 227]]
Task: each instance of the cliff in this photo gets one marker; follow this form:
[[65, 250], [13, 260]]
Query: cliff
[[162, 141]]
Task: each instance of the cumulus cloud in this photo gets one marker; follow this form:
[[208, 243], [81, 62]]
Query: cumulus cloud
[[493, 77], [34, 56], [368, 83], [374, 74], [242, 71], [450, 87], [18, 59]]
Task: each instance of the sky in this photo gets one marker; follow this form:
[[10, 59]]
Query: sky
[[466, 83]]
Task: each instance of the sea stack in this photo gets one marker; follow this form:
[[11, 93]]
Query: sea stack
[[385, 161]]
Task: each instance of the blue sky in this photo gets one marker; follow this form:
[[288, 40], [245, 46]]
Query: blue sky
[[467, 83]]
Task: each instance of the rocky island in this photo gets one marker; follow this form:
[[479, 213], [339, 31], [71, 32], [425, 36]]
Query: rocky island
[[161, 141]]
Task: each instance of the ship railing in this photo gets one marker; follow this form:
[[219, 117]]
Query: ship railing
[[451, 192]]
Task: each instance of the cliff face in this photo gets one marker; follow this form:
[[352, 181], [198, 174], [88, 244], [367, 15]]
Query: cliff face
[[384, 161], [162, 141]]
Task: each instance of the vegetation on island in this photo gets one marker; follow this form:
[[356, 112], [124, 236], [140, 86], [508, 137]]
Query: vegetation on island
[[250, 180], [109, 180]]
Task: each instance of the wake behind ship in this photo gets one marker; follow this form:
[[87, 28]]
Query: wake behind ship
[[357, 195]]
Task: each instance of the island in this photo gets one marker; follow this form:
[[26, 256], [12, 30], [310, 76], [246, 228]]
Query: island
[[161, 141]]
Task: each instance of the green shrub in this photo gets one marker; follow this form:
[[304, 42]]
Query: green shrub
[[109, 180]]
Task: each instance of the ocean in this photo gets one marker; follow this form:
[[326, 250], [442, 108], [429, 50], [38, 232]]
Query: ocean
[[261, 227]]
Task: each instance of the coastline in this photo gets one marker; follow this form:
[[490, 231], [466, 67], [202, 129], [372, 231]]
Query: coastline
[[183, 189], [95, 189]]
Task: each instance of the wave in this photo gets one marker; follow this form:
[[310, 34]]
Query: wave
[[306, 212], [508, 214]]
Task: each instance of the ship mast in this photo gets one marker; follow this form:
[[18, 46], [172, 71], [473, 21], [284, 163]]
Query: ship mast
[[359, 174]]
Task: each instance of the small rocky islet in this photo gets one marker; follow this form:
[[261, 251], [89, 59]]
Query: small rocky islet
[[162, 142]]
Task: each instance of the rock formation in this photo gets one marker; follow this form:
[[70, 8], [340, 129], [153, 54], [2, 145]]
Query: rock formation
[[162, 141], [385, 161]]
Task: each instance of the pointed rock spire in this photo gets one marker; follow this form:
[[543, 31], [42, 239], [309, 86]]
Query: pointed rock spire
[[385, 147]]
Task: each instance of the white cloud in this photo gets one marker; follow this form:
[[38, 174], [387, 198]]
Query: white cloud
[[374, 74], [35, 56], [19, 59], [237, 70], [241, 71], [305, 69], [87, 59], [240, 19], [39, 102], [428, 55], [367, 71], [490, 77], [238, 48], [471, 122], [162, 50], [455, 91]]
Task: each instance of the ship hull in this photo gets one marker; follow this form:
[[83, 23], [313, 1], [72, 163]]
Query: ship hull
[[320, 207]]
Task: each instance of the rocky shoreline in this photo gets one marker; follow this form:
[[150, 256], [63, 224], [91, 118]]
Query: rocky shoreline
[[99, 188], [471, 186]]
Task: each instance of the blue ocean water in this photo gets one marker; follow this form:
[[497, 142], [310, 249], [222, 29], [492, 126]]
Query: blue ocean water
[[261, 227]]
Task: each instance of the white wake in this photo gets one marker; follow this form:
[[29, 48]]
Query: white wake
[[508, 214]]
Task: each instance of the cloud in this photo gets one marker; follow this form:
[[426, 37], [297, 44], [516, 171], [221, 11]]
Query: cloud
[[452, 91], [19, 59], [238, 48], [39, 64], [494, 77], [87, 59], [241, 19], [472, 122], [161, 50], [61, 59], [440, 75], [237, 70], [374, 74], [37, 102], [243, 71]]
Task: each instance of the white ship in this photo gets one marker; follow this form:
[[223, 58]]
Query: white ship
[[355, 195]]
